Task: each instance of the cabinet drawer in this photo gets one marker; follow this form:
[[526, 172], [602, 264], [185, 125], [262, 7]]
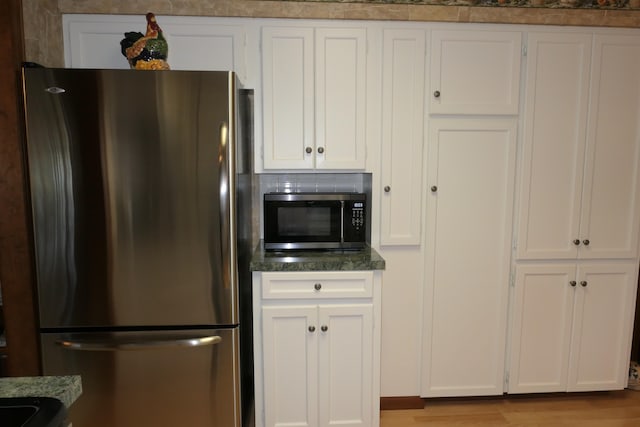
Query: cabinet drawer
[[309, 285]]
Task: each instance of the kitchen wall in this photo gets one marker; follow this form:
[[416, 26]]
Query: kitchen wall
[[402, 298], [43, 18]]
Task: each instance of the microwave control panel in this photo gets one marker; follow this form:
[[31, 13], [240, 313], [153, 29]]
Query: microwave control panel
[[356, 231]]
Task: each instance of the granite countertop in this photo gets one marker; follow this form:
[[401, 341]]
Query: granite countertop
[[65, 388], [310, 260]]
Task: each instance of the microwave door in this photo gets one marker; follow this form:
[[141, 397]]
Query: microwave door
[[303, 225]]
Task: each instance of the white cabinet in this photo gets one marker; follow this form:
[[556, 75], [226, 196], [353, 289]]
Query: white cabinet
[[578, 224], [314, 102], [580, 183], [195, 43], [475, 72], [316, 338], [403, 91], [469, 218], [572, 327]]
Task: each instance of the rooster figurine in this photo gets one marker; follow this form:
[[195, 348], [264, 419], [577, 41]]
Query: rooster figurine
[[146, 52]]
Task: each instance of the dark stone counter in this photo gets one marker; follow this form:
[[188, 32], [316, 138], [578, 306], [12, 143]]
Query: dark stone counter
[[65, 388], [310, 260]]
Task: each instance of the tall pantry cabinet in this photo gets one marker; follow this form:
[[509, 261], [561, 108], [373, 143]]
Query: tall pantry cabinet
[[577, 257], [474, 96]]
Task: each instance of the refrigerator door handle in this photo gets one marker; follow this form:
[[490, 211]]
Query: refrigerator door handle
[[138, 345]]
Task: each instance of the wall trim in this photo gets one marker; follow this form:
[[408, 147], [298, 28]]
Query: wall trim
[[402, 402]]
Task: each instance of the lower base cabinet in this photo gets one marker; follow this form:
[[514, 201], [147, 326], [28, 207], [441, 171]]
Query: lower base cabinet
[[316, 339], [572, 326]]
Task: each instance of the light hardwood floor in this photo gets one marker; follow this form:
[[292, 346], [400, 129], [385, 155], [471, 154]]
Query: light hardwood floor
[[606, 409]]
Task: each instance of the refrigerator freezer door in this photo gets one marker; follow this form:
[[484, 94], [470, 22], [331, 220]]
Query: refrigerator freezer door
[[131, 177], [160, 379]]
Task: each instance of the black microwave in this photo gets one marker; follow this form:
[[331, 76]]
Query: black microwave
[[315, 221]]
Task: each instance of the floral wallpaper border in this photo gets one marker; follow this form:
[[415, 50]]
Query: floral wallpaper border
[[567, 4]]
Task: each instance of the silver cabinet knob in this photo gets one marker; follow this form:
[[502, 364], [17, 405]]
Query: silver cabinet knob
[[324, 328], [583, 283], [573, 283], [586, 242], [434, 188], [320, 150], [576, 242], [436, 94], [387, 188], [312, 328], [308, 150], [317, 286]]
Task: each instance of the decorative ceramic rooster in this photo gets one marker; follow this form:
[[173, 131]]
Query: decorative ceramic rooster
[[146, 52]]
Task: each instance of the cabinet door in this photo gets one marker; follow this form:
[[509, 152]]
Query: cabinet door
[[471, 174], [90, 42], [403, 79], [610, 208], [475, 72], [346, 365], [541, 329], [340, 98], [555, 120], [290, 365], [288, 97], [603, 323]]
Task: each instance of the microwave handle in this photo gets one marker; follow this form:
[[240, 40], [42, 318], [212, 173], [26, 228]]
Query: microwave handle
[[341, 221]]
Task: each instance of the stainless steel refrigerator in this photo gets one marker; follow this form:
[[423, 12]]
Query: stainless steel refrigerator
[[140, 187]]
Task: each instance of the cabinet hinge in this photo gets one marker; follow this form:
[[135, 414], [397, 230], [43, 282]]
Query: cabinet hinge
[[524, 50], [506, 378], [512, 280]]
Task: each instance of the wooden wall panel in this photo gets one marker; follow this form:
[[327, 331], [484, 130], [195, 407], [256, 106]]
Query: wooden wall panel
[[16, 276]]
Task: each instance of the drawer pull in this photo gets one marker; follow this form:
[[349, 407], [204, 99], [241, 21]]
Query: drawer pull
[[317, 286]]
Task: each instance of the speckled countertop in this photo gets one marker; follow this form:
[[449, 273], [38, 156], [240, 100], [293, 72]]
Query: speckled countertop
[[65, 388], [307, 260]]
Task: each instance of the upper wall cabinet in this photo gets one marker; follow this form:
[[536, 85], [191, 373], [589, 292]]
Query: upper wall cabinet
[[314, 103], [580, 183], [195, 43], [403, 90], [475, 72]]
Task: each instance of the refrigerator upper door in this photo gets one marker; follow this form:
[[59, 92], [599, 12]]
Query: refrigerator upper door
[[132, 182]]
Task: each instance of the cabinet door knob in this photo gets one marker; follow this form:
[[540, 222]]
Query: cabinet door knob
[[308, 150], [573, 283], [317, 286], [436, 94], [434, 188], [583, 283], [320, 150], [312, 328], [324, 328], [576, 242], [387, 188], [586, 242]]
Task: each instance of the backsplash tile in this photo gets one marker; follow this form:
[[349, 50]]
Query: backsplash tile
[[305, 182]]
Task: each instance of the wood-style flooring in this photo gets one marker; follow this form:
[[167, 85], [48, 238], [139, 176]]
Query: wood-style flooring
[[606, 409]]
